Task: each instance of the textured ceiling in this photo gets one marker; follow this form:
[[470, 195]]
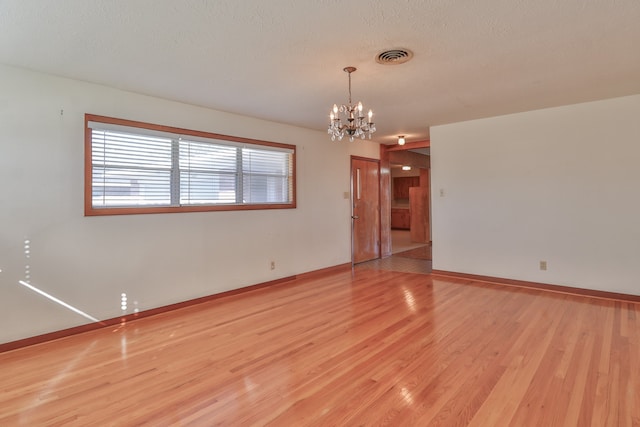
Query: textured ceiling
[[282, 60]]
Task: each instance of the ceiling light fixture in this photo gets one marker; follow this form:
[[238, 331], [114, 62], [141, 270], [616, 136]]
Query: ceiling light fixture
[[357, 125], [401, 140], [406, 168]]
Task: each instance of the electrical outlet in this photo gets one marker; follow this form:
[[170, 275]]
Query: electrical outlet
[[273, 265], [442, 192], [543, 265]]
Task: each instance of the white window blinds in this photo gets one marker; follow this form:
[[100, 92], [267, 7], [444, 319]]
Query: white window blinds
[[130, 169], [208, 173], [266, 176], [134, 167]]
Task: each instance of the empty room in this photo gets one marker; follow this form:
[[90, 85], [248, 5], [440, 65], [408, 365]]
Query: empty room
[[244, 213]]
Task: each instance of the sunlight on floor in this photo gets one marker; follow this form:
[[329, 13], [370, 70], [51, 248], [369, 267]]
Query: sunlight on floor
[[401, 241]]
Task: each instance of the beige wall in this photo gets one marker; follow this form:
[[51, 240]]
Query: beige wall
[[559, 185], [156, 259]]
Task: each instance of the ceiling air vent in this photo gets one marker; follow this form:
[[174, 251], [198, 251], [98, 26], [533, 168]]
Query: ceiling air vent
[[394, 56]]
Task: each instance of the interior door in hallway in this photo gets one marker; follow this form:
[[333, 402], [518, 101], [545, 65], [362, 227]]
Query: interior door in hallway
[[365, 196]]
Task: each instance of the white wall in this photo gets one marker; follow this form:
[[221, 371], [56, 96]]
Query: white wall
[[560, 184], [156, 259]]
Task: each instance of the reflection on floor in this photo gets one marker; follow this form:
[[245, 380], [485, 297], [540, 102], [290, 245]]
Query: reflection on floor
[[407, 256]]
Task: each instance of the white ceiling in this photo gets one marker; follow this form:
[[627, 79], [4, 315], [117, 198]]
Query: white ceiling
[[282, 60]]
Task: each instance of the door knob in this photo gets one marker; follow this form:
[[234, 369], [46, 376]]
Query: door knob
[[354, 217]]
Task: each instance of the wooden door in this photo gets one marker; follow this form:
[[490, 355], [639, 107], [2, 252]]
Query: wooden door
[[419, 199], [365, 196]]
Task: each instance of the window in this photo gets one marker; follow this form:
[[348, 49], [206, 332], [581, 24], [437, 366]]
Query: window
[[133, 167]]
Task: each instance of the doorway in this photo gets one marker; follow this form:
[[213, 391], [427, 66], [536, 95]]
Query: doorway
[[365, 209], [396, 156]]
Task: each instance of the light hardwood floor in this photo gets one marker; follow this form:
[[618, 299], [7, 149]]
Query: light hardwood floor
[[366, 347]]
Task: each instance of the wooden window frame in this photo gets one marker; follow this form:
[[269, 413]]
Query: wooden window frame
[[89, 210]]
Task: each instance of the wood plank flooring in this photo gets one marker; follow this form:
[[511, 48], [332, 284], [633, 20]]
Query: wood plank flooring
[[366, 347]]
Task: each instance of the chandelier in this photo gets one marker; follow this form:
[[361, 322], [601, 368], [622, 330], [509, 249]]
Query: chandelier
[[356, 124]]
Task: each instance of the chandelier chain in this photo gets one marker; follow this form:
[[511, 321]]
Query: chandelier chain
[[350, 87]]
